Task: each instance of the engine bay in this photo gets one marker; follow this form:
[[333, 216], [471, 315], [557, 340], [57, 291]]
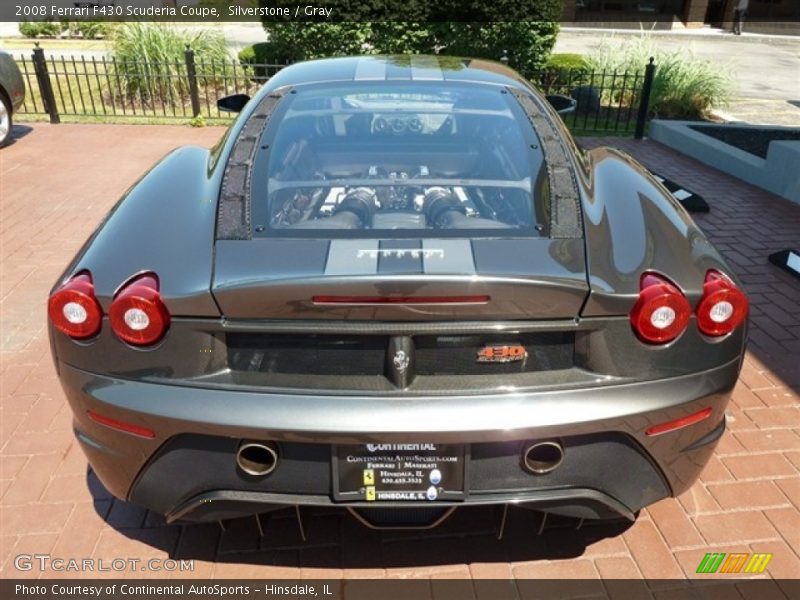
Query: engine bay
[[401, 159], [399, 200]]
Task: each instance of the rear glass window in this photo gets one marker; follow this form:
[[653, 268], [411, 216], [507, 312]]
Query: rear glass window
[[399, 159]]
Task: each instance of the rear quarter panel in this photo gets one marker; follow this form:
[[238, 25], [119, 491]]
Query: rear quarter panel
[[164, 223], [632, 224]]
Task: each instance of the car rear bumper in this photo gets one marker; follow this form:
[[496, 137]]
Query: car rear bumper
[[188, 471]]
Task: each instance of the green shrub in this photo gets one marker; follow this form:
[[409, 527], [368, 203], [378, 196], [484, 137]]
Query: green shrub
[[264, 53], [150, 59], [563, 73], [526, 44], [684, 86], [92, 30], [29, 29], [34, 29], [305, 41], [198, 121], [257, 53], [567, 61], [523, 34], [390, 37]]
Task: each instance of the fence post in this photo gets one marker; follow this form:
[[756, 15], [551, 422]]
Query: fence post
[[191, 74], [644, 102], [45, 85]]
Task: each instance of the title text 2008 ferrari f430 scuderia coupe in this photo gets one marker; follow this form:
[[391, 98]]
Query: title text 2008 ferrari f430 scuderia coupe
[[396, 285]]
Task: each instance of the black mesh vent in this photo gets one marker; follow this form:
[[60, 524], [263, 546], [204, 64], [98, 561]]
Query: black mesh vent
[[565, 217], [365, 355], [233, 215], [307, 354]]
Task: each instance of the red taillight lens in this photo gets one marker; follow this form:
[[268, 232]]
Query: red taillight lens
[[138, 316], [661, 312], [723, 306], [73, 308]]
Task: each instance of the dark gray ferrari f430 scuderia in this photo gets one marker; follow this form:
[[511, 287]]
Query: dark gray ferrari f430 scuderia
[[396, 285]]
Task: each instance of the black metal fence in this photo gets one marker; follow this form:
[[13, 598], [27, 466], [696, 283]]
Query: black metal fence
[[608, 101], [105, 87], [81, 86]]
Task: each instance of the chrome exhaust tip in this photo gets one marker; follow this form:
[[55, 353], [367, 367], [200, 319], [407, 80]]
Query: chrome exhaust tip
[[257, 458], [544, 457]]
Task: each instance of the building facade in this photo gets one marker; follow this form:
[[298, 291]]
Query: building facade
[[762, 15]]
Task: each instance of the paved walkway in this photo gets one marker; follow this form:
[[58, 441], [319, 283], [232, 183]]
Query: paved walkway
[[754, 111], [57, 183]]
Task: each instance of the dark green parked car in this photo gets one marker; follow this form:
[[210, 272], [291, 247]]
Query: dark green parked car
[[12, 94]]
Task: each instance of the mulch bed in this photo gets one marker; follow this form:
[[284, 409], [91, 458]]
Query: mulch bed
[[752, 141]]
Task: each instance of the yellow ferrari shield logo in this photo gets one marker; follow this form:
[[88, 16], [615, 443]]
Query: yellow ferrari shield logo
[[369, 477]]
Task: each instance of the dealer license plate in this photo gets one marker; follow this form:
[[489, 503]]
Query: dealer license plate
[[399, 472]]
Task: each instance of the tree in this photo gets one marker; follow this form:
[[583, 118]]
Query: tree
[[523, 31]]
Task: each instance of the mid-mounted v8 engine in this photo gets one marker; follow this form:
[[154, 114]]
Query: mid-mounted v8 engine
[[394, 201]]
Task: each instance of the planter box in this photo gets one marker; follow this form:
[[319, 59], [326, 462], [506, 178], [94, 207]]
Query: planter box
[[778, 174]]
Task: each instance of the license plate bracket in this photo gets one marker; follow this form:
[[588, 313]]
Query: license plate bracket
[[398, 472]]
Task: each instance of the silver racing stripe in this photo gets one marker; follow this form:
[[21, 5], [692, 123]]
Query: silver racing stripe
[[352, 257], [400, 257], [370, 70], [362, 257], [426, 68], [451, 257]]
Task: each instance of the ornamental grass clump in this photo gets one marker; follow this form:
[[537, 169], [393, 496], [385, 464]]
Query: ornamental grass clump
[[150, 63], [684, 86]]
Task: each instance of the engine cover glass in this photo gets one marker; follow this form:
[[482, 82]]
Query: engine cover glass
[[399, 159]]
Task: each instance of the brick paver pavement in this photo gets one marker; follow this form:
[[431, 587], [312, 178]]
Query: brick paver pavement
[[58, 181]]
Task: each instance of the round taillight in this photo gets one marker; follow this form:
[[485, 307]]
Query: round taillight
[[723, 306], [661, 312], [73, 308], [138, 315]]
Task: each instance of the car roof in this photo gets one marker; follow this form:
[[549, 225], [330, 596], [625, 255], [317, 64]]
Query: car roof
[[417, 67]]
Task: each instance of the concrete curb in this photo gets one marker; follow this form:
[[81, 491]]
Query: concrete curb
[[691, 34]]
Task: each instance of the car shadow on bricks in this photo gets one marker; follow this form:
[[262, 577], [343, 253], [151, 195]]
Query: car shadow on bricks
[[335, 539], [18, 132]]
